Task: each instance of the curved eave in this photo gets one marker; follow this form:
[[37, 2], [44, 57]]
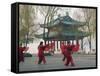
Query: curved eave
[[73, 24], [66, 21], [64, 24], [46, 35], [75, 33], [64, 36]]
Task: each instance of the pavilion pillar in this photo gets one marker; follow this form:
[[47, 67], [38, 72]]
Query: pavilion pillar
[[45, 42], [72, 41], [57, 45], [82, 44], [60, 43], [48, 42], [66, 42], [54, 45]]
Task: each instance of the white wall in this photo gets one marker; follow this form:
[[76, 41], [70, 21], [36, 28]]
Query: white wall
[[5, 22]]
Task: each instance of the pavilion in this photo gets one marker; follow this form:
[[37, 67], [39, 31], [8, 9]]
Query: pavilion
[[63, 28]]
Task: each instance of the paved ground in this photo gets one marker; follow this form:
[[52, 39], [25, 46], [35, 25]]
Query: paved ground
[[55, 62]]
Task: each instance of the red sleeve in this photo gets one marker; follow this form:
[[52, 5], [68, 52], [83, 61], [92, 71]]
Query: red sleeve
[[26, 48], [76, 48], [21, 48]]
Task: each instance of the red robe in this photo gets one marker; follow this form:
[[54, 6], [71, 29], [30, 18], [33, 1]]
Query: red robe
[[69, 56], [40, 50], [41, 53], [46, 47], [76, 48], [63, 49], [21, 55]]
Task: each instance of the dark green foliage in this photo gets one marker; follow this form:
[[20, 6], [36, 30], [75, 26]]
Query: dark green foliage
[[27, 55]]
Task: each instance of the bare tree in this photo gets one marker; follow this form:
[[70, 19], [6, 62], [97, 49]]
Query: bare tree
[[26, 20], [48, 12], [89, 15]]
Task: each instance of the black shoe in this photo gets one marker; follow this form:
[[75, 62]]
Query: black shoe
[[66, 64]]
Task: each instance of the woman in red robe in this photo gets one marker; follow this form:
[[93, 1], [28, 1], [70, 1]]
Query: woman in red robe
[[21, 54], [63, 50], [69, 54], [41, 53]]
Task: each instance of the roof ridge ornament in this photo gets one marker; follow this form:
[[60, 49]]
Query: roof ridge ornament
[[67, 13], [59, 15]]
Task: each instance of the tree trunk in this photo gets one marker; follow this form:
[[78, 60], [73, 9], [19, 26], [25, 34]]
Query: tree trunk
[[90, 43], [26, 40], [82, 44]]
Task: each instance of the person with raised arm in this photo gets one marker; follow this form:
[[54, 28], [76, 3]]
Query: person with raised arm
[[41, 56]]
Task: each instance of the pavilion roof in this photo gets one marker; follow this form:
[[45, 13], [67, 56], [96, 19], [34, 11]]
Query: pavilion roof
[[65, 21], [65, 35]]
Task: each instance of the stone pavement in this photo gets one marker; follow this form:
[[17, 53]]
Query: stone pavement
[[55, 62]]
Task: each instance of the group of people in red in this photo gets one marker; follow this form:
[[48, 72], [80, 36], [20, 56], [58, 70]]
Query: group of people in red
[[66, 50]]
